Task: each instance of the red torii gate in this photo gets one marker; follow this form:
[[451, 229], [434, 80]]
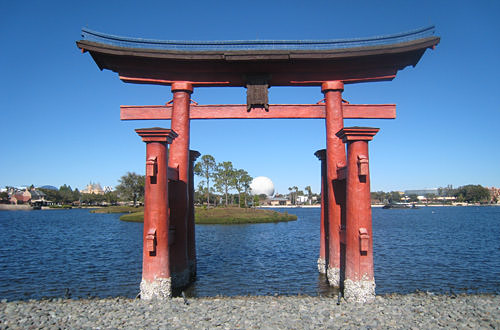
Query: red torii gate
[[169, 259]]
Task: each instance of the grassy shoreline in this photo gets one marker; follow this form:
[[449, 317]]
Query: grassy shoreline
[[119, 209], [226, 216]]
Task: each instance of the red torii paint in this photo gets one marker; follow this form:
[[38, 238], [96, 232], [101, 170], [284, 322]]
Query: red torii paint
[[359, 283], [156, 276]]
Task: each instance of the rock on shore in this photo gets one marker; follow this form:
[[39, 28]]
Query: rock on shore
[[413, 311]]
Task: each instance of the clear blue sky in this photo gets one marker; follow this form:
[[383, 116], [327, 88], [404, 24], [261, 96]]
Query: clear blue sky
[[60, 115]]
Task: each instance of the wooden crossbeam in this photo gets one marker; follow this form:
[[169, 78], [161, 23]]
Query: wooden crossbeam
[[276, 111]]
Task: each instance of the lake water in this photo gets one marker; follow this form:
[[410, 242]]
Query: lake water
[[438, 249]]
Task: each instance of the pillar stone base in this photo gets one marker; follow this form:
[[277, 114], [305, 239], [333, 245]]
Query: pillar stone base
[[359, 291], [321, 265], [333, 275], [160, 288], [181, 279]]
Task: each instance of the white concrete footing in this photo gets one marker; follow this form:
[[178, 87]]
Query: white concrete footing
[[160, 288], [359, 291], [321, 265], [333, 275]]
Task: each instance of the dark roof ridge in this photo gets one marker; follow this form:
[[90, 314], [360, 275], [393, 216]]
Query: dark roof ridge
[[197, 45]]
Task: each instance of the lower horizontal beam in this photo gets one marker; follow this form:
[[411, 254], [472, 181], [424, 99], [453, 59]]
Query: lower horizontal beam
[[276, 111]]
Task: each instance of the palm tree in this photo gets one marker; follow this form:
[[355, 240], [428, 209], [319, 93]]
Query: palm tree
[[309, 194]]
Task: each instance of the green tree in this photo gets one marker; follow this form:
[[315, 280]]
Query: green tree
[[293, 192], [241, 182], [246, 187], [446, 192], [111, 197], [472, 194], [88, 199], [413, 198], [394, 197], [200, 192], [378, 197], [296, 193], [51, 195], [92, 199], [66, 194], [131, 187], [4, 197], [430, 197], [76, 195], [299, 193], [205, 168], [224, 178]]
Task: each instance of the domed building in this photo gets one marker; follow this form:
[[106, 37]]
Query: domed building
[[93, 188], [262, 185]]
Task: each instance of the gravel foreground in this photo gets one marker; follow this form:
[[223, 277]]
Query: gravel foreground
[[412, 311]]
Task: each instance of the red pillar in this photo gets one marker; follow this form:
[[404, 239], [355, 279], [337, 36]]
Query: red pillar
[[156, 276], [179, 208], [193, 155], [335, 158], [323, 233], [359, 283]]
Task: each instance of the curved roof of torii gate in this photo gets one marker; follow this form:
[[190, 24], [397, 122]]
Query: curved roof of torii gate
[[281, 62]]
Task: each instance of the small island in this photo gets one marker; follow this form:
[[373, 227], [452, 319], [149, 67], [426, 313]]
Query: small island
[[217, 215], [234, 215]]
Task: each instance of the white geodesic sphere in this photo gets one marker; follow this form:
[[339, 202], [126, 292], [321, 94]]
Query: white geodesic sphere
[[262, 185]]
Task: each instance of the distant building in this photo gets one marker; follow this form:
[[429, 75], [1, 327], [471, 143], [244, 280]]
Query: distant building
[[37, 196], [278, 201], [446, 199], [494, 195], [20, 197], [302, 199], [93, 188], [422, 192], [25, 196]]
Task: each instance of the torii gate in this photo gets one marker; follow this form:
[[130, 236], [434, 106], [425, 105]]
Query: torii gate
[[346, 254]]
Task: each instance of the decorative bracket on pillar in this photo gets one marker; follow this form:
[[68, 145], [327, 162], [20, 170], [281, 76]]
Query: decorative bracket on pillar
[[362, 165], [151, 242], [257, 92], [151, 167], [364, 240]]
